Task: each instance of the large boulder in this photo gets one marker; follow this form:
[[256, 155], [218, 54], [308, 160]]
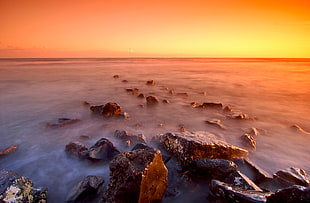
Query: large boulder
[[85, 189], [137, 176], [103, 149], [293, 194], [188, 146], [109, 109], [19, 189]]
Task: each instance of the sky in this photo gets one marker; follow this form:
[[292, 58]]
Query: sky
[[155, 28]]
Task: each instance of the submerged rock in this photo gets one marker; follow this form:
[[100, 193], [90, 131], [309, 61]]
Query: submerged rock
[[85, 189], [150, 82], [129, 138], [150, 100], [62, 122], [217, 123], [103, 150], [188, 146], [298, 129], [293, 194], [109, 109], [16, 188], [211, 105], [294, 175], [78, 149], [8, 150], [115, 76], [228, 109], [238, 116], [137, 176], [141, 95], [249, 141], [235, 194]]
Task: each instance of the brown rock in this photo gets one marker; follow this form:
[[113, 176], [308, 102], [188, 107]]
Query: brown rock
[[9, 150], [151, 100], [211, 105], [77, 149], [249, 141], [109, 109], [103, 150], [217, 123], [150, 82], [115, 76]]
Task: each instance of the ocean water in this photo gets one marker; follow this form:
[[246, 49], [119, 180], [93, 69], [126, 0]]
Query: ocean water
[[34, 92]]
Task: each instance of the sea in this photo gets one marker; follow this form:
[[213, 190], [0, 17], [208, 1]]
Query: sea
[[37, 91]]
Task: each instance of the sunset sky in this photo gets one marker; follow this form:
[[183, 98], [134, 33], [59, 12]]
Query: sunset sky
[[155, 28]]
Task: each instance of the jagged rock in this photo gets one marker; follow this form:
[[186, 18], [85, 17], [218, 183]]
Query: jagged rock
[[298, 129], [85, 189], [255, 173], [141, 95], [294, 175], [103, 150], [115, 76], [62, 122], [150, 82], [236, 194], [8, 150], [137, 176], [150, 100], [187, 146], [217, 123], [236, 178], [248, 141], [19, 189], [133, 139], [78, 149], [293, 194], [211, 105], [215, 168], [109, 109]]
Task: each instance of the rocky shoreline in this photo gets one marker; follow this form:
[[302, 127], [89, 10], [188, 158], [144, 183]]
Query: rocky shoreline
[[157, 170]]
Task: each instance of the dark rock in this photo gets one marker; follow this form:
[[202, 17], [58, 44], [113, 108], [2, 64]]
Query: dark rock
[[141, 95], [16, 188], [240, 180], [248, 141], [171, 92], [62, 122], [85, 189], [166, 101], [115, 76], [77, 149], [217, 123], [293, 194], [9, 150], [150, 100], [133, 139], [85, 103], [124, 80], [211, 105], [150, 82], [236, 194], [298, 129], [109, 109], [294, 175], [214, 168], [140, 146], [133, 91], [103, 150], [187, 146], [137, 176]]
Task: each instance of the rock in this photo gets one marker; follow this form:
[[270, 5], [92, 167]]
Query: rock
[[78, 149], [293, 194], [62, 122], [140, 146], [248, 141], [215, 168], [115, 76], [125, 115], [125, 81], [211, 105], [194, 104], [298, 129], [294, 175], [141, 95], [85, 189], [125, 136], [238, 116], [217, 123], [182, 128], [182, 94], [16, 188], [150, 82], [255, 173], [133, 91], [236, 178], [188, 146], [137, 176], [236, 194], [165, 101], [151, 100], [171, 92], [228, 109], [253, 131], [103, 150], [8, 150], [109, 109]]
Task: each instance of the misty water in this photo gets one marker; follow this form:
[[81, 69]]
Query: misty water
[[34, 92]]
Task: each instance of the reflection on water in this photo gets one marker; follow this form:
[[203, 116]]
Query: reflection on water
[[35, 92]]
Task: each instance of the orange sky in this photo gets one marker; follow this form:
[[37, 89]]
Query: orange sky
[[155, 28]]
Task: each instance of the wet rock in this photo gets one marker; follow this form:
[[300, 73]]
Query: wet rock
[[86, 189], [124, 81], [103, 150], [228, 109], [238, 116], [211, 105], [194, 104], [182, 128], [8, 150], [150, 82], [214, 168], [109, 109], [293, 194], [182, 94], [171, 92], [253, 131], [187, 146], [137, 176], [235, 194], [141, 95], [254, 172], [165, 101], [61, 122], [151, 100], [115, 76], [140, 146], [77, 149], [294, 175], [217, 123], [298, 129], [236, 178], [126, 136], [16, 188], [248, 141], [133, 91]]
